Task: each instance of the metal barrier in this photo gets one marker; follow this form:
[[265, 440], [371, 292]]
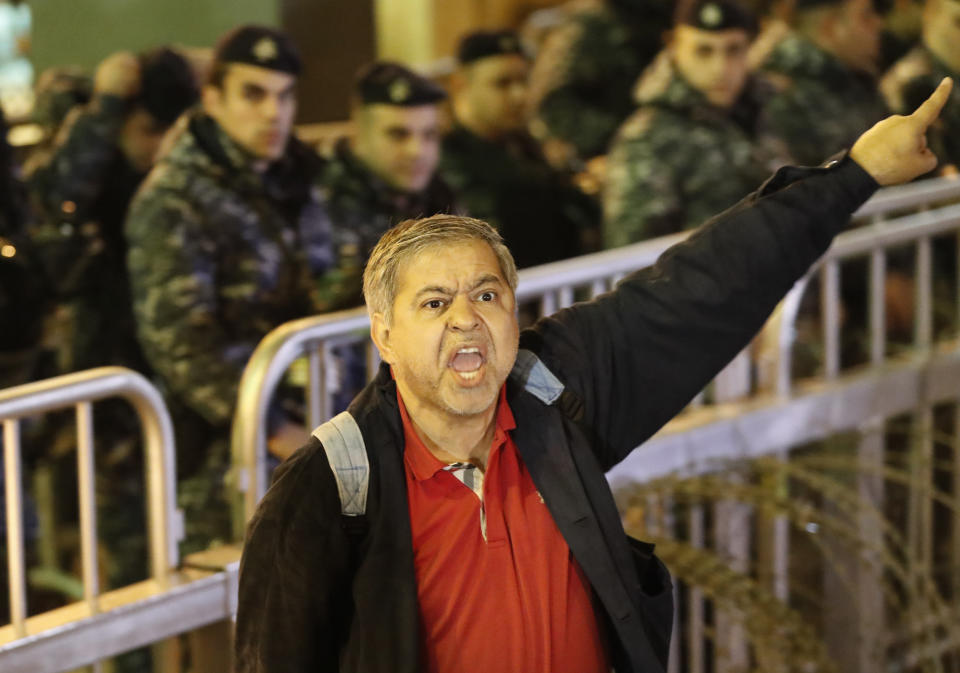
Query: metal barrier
[[170, 602], [553, 286]]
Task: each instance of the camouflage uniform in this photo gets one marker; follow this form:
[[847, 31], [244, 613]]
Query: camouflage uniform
[[362, 207], [823, 105], [219, 256], [679, 161], [909, 82], [583, 76], [542, 216], [80, 189]]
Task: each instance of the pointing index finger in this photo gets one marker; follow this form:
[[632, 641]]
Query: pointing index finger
[[929, 110]]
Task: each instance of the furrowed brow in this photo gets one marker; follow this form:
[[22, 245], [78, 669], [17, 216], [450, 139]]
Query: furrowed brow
[[488, 279]]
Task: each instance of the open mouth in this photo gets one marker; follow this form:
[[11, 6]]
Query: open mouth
[[468, 362]]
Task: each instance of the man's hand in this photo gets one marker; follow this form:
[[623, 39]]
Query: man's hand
[[118, 75], [895, 149]]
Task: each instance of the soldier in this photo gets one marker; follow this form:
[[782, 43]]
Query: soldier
[[498, 169], [583, 76], [81, 186], [826, 70], [386, 172], [914, 76], [697, 144], [228, 239]]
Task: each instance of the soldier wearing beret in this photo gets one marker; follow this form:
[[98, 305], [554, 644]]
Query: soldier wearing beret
[[583, 76], [914, 76], [228, 239], [698, 142], [826, 72], [385, 172], [81, 186], [498, 169]]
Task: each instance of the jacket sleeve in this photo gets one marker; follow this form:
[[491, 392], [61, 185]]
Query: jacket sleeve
[[68, 179], [65, 182], [636, 356], [290, 612], [173, 278]]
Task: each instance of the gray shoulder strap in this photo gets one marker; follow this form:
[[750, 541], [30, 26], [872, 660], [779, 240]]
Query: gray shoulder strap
[[347, 454], [530, 372]]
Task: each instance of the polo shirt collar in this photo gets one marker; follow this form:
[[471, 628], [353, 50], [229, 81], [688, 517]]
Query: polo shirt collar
[[423, 464]]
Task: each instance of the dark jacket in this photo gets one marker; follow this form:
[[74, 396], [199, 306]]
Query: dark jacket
[[630, 360]]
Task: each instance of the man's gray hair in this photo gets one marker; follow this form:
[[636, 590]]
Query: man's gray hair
[[411, 237]]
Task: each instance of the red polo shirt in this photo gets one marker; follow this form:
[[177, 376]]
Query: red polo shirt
[[497, 585]]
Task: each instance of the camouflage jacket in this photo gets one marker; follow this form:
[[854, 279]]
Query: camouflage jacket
[[679, 161], [219, 256], [909, 82], [80, 188], [362, 207], [823, 106], [582, 79], [541, 215]]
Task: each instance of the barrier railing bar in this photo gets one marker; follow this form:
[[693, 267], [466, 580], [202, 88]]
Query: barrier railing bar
[[565, 296], [16, 558], [94, 384], [923, 279], [696, 621], [315, 388], [329, 372], [830, 306], [597, 288], [87, 506], [910, 195], [877, 307]]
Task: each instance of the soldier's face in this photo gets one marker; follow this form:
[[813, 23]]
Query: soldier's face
[[855, 35], [494, 94], [255, 107], [140, 139], [714, 62], [401, 145], [453, 336]]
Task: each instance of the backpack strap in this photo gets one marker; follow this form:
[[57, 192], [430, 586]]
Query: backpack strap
[[347, 455]]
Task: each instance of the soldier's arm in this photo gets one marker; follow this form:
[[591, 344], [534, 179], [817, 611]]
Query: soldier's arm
[[641, 197], [173, 275], [562, 91], [66, 181]]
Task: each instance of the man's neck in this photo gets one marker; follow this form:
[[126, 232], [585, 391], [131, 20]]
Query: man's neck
[[449, 437]]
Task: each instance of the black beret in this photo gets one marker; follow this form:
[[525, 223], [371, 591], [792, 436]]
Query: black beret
[[806, 5], [260, 46], [394, 84], [715, 15], [484, 43]]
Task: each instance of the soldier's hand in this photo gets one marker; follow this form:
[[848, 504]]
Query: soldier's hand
[[118, 75], [895, 149]]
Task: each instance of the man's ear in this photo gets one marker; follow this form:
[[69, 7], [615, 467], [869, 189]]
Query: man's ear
[[211, 97], [380, 333]]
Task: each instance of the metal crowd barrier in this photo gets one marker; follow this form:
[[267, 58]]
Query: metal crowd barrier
[[554, 286], [170, 602]]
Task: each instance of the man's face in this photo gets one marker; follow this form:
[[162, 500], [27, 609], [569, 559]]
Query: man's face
[[140, 139], [857, 35], [495, 93], [401, 145], [712, 62], [453, 336], [255, 107]]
